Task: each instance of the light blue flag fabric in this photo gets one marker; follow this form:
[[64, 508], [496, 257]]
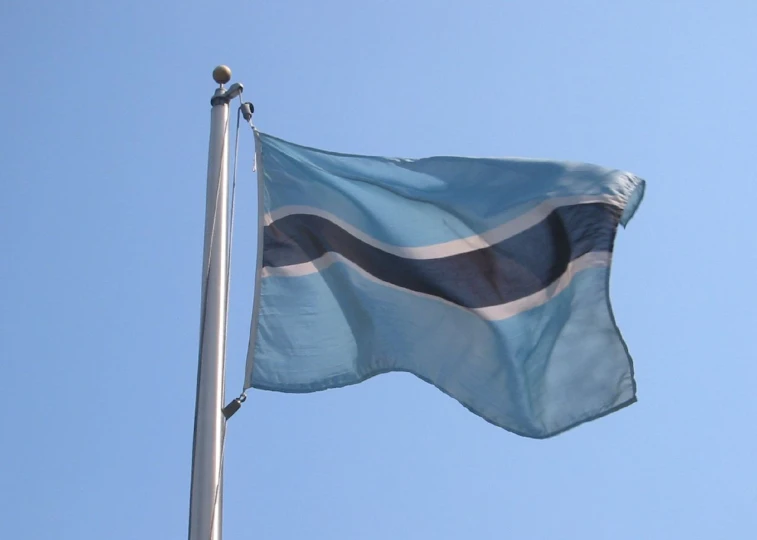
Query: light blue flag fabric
[[487, 278]]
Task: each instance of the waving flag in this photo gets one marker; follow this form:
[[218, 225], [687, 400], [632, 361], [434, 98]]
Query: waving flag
[[487, 278]]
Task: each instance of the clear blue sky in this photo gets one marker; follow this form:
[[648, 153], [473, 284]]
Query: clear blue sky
[[103, 151]]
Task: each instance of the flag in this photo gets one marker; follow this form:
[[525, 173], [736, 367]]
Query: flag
[[487, 278]]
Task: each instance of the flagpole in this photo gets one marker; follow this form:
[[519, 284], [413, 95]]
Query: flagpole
[[205, 503]]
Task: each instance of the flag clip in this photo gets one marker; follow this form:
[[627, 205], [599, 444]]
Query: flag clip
[[247, 109], [233, 406]]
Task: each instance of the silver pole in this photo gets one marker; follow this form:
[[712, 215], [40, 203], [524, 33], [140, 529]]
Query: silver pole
[[205, 508]]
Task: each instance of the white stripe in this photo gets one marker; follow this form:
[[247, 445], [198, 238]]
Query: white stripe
[[457, 246], [598, 259]]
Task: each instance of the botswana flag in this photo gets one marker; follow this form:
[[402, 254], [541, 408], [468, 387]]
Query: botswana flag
[[487, 278]]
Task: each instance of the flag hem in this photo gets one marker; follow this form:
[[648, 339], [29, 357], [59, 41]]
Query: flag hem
[[604, 411], [258, 263]]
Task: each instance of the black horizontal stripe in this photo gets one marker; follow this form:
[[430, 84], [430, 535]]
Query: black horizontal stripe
[[514, 268]]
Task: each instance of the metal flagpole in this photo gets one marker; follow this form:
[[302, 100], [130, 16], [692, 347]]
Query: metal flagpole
[[205, 512]]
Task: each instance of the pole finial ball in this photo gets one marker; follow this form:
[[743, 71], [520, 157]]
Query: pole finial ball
[[222, 74]]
